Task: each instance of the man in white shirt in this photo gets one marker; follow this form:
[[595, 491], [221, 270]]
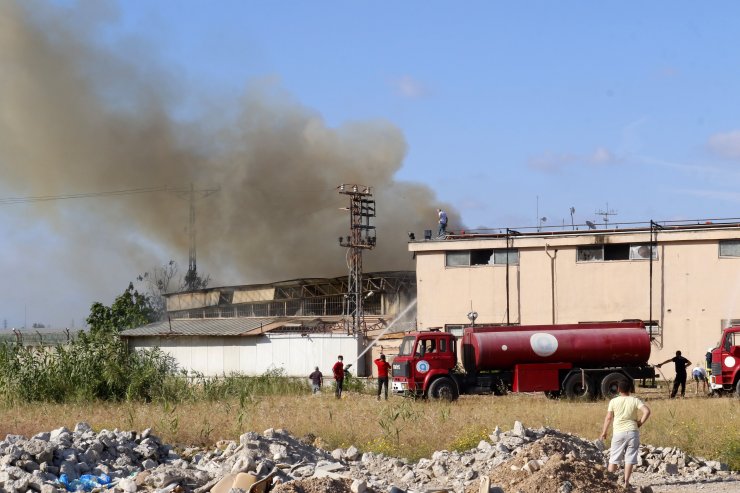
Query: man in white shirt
[[442, 222], [700, 375], [625, 447]]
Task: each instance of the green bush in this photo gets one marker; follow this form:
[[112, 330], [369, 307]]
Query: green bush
[[90, 367]]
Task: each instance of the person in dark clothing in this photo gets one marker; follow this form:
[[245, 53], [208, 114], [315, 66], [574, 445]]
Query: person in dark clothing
[[317, 379], [383, 368], [338, 371], [681, 365]]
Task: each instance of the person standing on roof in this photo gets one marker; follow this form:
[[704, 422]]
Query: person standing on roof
[[442, 222], [681, 365], [338, 371], [383, 368]]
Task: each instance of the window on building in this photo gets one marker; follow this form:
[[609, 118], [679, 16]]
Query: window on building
[[481, 256], [615, 251], [454, 329], [457, 258], [729, 248], [501, 255], [590, 253], [641, 251]]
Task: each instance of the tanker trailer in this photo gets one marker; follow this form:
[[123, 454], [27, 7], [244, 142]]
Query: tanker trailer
[[580, 361]]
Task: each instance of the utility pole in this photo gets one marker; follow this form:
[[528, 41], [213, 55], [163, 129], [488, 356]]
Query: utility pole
[[191, 277], [362, 237]]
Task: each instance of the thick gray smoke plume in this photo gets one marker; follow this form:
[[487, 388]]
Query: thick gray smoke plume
[[77, 115]]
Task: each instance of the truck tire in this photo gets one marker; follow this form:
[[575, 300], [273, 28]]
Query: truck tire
[[737, 389], [443, 388], [574, 388], [609, 384]]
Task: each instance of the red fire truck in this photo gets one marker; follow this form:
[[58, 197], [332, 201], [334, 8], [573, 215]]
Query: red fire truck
[[580, 361], [725, 375]]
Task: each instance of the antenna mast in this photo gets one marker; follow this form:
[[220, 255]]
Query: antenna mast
[[362, 237], [605, 214]]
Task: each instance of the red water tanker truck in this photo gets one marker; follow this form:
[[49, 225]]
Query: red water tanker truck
[[725, 375], [580, 361]]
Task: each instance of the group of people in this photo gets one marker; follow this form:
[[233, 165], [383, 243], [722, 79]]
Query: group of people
[[698, 373], [339, 371]]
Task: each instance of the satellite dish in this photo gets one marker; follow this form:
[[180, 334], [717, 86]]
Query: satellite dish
[[590, 225]]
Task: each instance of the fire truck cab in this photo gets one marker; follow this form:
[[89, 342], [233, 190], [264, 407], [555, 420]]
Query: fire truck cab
[[725, 375]]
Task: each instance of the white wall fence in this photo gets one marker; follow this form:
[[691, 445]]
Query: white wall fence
[[298, 355]]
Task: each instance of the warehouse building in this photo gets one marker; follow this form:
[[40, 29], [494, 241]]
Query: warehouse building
[[686, 292], [290, 325]]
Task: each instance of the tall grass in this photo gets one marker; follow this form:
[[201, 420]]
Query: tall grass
[[98, 367], [398, 427]]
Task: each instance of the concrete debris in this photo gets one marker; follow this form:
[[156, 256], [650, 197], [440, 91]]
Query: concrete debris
[[510, 461]]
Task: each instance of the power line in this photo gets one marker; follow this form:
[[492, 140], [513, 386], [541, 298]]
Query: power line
[[85, 195]]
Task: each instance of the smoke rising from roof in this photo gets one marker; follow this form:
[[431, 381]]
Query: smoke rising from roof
[[78, 115]]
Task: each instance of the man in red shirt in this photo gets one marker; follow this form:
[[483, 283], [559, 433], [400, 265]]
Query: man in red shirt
[[383, 368], [338, 370]]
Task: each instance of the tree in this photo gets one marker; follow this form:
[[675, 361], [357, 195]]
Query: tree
[[194, 281], [164, 279], [130, 309], [159, 281]]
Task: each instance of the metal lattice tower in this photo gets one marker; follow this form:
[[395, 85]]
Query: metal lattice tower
[[192, 274], [362, 237]]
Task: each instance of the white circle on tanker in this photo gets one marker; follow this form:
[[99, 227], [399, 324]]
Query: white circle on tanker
[[543, 344], [422, 366], [730, 362], [504, 347]]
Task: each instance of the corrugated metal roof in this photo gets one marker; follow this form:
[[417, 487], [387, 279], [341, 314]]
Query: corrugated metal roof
[[202, 327]]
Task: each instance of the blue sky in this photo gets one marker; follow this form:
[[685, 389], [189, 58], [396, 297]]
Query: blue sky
[[579, 103], [507, 108]]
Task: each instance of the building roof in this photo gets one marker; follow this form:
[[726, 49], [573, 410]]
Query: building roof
[[203, 327], [401, 274]]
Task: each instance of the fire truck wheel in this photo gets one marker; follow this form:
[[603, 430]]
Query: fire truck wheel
[[575, 389], [443, 388], [737, 389], [609, 385]]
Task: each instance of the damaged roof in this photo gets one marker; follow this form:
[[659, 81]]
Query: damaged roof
[[204, 327]]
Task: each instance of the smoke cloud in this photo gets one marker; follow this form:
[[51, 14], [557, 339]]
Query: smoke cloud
[[80, 115]]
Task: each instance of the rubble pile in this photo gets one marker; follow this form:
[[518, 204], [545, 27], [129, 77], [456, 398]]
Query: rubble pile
[[522, 460]]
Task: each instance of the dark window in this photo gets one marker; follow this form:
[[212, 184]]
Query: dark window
[[443, 345], [617, 251], [481, 257]]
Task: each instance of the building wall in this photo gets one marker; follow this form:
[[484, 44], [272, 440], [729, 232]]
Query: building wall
[[694, 289], [216, 355]]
